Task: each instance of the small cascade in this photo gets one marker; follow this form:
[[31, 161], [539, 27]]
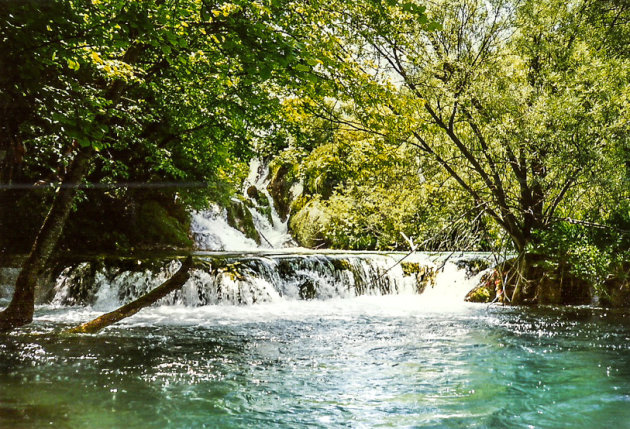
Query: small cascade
[[273, 230], [250, 222], [211, 231], [251, 279], [8, 277]]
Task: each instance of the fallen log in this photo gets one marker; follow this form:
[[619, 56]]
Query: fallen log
[[172, 284]]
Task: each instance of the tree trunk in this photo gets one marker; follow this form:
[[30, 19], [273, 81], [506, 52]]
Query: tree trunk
[[174, 283], [20, 310], [520, 277]]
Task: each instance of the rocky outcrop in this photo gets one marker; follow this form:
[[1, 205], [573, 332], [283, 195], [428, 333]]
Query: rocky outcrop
[[307, 225], [239, 217], [280, 188], [423, 274]]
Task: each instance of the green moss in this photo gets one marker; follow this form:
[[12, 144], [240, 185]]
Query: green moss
[[308, 224], [341, 264], [239, 217], [233, 270], [299, 203], [425, 276], [156, 225], [283, 175], [410, 268], [482, 293]]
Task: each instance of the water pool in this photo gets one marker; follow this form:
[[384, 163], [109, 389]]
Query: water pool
[[372, 361]]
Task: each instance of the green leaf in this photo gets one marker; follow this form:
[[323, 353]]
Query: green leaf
[[302, 68], [73, 65]]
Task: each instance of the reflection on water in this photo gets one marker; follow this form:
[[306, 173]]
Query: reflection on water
[[361, 362]]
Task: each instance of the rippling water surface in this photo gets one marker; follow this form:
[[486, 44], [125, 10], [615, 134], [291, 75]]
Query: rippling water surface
[[389, 361]]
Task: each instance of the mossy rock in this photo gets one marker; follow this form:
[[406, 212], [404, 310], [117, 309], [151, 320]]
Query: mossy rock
[[341, 264], [299, 203], [481, 293], [279, 187], [232, 270], [307, 226], [424, 275], [410, 268], [239, 217], [259, 202], [253, 193], [308, 289]]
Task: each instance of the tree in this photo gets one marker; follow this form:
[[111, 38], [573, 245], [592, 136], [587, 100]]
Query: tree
[[512, 99], [182, 86]]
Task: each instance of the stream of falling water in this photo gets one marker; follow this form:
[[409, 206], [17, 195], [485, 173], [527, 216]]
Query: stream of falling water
[[296, 339], [213, 232]]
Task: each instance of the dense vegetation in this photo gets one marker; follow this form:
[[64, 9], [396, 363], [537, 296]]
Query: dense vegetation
[[492, 125], [517, 110]]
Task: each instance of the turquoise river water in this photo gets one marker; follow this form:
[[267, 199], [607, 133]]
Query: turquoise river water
[[373, 361]]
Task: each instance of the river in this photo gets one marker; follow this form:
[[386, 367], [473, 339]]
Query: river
[[399, 360], [291, 338]]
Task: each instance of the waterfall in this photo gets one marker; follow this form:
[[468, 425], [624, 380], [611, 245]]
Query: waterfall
[[213, 230], [223, 278], [8, 277], [274, 230]]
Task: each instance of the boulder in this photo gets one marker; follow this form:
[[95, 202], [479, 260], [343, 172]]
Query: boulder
[[239, 217]]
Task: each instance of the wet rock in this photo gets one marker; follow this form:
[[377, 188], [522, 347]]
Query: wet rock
[[481, 293], [308, 289], [240, 218], [425, 276], [280, 188], [252, 192]]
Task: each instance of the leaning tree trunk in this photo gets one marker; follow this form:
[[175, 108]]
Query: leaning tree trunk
[[20, 310], [174, 283]]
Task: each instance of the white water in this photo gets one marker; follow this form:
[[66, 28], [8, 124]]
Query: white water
[[275, 234], [268, 287], [213, 232], [281, 284]]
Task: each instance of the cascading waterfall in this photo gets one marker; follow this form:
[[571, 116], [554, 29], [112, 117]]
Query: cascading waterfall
[[274, 231], [261, 278], [212, 230], [263, 275]]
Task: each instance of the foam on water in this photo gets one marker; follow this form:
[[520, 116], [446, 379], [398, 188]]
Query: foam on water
[[272, 287]]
